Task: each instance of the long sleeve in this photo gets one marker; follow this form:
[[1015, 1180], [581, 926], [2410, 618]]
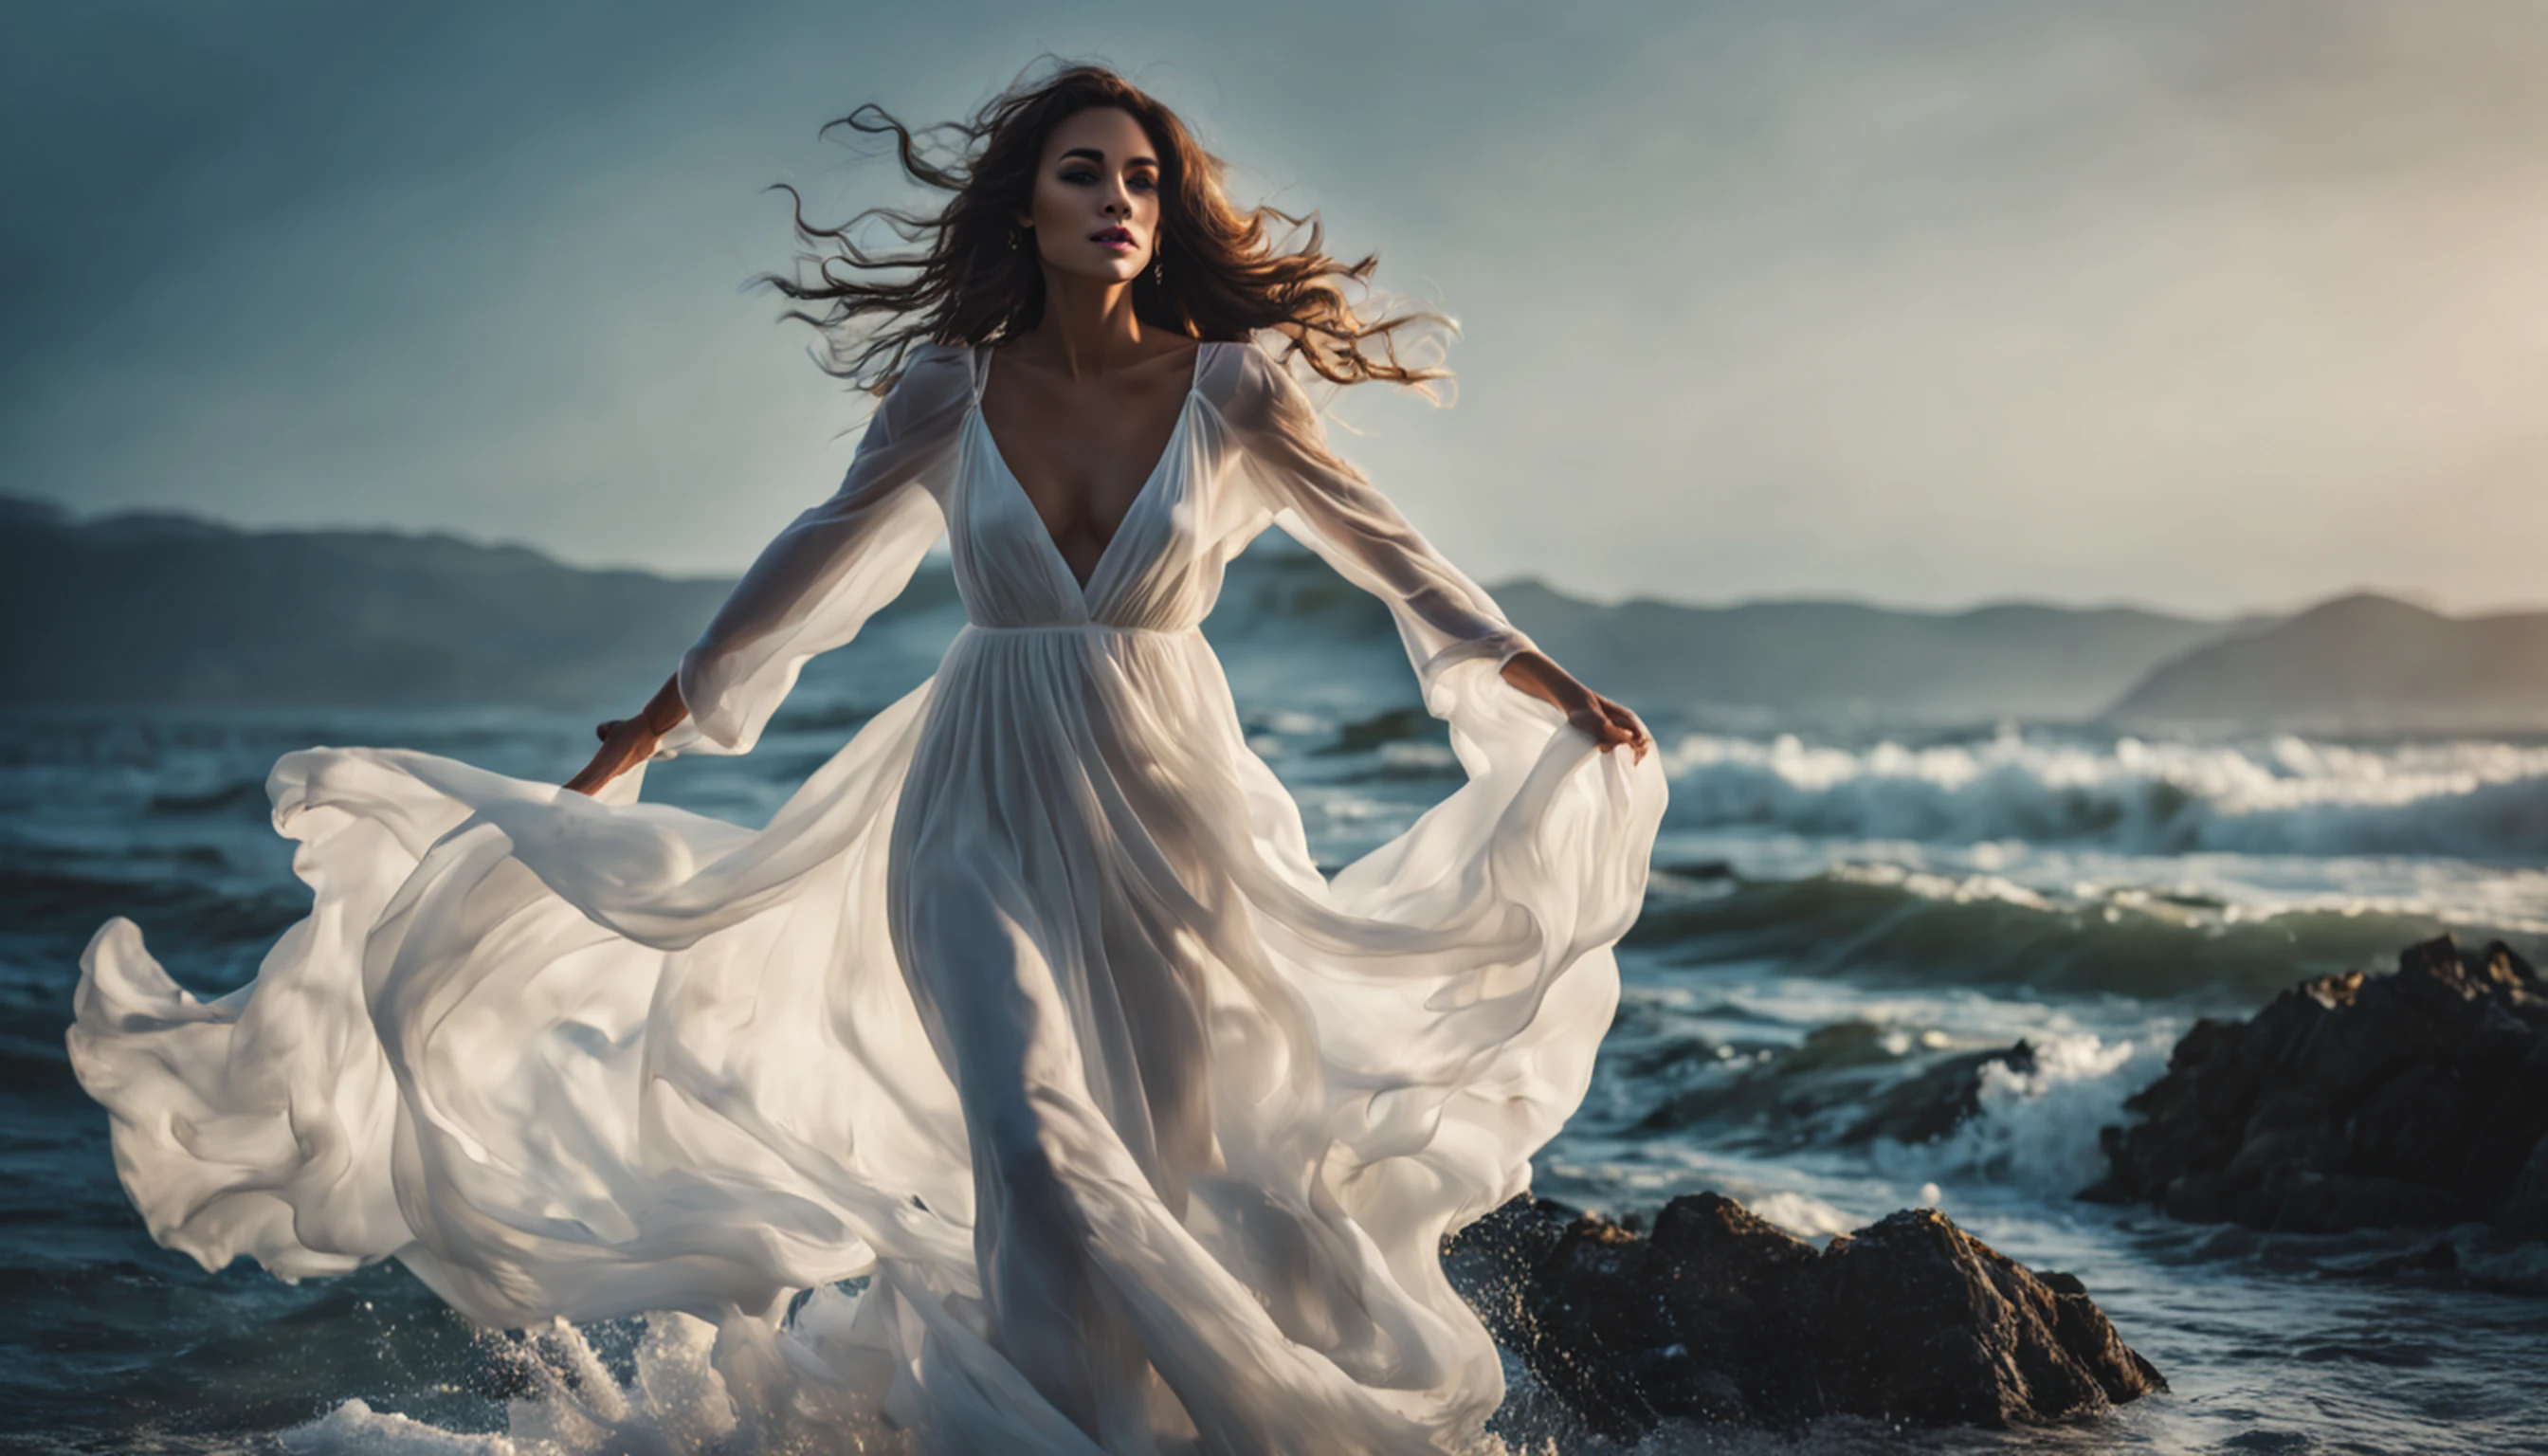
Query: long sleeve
[[835, 566], [1443, 617]]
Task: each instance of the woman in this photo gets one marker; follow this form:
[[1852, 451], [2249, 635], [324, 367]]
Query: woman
[[1031, 1003]]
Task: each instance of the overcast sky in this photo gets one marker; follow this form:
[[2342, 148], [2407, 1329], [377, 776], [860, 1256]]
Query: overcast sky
[[2214, 305]]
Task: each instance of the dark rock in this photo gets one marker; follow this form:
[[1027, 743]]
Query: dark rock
[[2416, 1098], [2525, 1205], [1491, 1261], [1722, 1316], [1612, 1322]]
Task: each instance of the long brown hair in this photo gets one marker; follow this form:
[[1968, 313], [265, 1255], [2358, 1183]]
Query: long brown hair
[[965, 283]]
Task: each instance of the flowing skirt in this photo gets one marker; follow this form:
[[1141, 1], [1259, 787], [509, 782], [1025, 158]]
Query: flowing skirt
[[1031, 1004]]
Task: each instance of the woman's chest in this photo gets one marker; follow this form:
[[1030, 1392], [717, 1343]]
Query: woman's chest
[[1082, 456]]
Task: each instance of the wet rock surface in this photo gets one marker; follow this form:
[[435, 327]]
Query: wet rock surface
[[1722, 1316], [2405, 1099]]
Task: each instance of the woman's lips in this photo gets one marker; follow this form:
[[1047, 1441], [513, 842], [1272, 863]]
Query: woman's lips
[[1112, 237]]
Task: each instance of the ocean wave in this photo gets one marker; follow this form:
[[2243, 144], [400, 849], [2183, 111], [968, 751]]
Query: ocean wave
[[190, 897], [2285, 795], [2036, 1126], [1884, 923]]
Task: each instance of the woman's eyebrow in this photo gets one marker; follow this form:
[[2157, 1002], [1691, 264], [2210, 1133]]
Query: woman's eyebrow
[[1099, 157]]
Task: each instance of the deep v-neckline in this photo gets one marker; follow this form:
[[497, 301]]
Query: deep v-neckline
[[1123, 527]]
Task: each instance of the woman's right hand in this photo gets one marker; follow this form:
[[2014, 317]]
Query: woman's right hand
[[628, 742], [625, 742]]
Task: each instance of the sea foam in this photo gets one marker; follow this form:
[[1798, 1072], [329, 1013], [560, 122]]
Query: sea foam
[[2038, 1130], [694, 1390]]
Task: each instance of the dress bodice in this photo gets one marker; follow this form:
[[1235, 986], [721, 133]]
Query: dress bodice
[[1152, 573], [1248, 450]]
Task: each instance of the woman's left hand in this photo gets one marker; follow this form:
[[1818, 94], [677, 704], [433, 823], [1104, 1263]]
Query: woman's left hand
[[1609, 724], [1606, 723]]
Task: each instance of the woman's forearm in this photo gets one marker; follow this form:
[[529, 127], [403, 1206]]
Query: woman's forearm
[[665, 711], [1535, 672]]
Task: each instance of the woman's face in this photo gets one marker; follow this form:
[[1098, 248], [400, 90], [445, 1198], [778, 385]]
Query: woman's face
[[1095, 211]]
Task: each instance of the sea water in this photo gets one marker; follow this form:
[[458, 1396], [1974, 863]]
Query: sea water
[[1835, 907]]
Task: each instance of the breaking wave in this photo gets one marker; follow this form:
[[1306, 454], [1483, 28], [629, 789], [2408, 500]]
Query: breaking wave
[[2037, 1128], [1904, 927], [2285, 795]]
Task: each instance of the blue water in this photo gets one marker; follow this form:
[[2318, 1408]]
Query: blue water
[[1833, 908]]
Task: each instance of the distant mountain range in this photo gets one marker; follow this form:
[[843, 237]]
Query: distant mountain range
[[2359, 661], [1828, 658], [154, 609]]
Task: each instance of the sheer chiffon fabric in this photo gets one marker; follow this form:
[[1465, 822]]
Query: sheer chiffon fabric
[[1031, 1003]]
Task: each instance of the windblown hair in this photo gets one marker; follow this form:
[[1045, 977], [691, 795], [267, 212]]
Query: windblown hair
[[1227, 278]]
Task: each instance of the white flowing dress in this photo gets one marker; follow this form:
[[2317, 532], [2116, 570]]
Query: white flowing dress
[[1031, 1003]]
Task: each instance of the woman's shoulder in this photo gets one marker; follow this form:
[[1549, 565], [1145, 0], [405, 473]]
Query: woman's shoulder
[[1251, 385], [933, 357], [930, 369], [927, 390]]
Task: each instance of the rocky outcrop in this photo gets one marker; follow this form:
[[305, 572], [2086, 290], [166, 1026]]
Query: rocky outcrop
[[2413, 1098], [1722, 1316]]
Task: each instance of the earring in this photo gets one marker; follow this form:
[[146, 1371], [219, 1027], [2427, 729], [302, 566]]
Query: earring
[[1158, 268], [1014, 234]]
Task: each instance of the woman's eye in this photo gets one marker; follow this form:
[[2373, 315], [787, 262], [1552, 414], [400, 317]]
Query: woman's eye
[[1079, 174], [1145, 183]]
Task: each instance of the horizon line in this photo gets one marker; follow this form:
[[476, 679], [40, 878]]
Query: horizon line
[[11, 500]]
